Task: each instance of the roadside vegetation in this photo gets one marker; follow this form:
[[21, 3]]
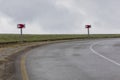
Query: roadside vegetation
[[6, 38]]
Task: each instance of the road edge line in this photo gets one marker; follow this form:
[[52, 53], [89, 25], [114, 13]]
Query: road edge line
[[102, 56], [23, 68]]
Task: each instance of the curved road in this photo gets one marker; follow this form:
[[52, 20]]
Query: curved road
[[75, 60]]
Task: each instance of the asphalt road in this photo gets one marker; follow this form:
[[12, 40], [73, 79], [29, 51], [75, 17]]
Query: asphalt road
[[75, 60]]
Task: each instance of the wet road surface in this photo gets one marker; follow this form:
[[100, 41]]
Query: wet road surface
[[75, 60]]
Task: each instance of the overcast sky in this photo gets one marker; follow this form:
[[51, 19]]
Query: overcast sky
[[60, 16]]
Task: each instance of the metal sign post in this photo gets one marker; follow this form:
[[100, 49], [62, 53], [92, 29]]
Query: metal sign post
[[21, 31], [21, 26], [88, 28], [21, 37]]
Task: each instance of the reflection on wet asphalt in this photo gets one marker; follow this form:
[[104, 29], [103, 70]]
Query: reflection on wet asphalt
[[74, 61]]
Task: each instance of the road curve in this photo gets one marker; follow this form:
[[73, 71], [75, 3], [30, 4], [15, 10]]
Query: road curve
[[74, 60]]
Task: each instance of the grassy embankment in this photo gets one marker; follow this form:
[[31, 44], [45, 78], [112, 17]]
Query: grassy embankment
[[6, 38]]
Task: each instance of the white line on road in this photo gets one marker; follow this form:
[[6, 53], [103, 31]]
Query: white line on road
[[97, 53]]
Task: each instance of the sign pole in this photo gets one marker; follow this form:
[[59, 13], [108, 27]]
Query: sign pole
[[21, 31], [88, 32], [21, 34]]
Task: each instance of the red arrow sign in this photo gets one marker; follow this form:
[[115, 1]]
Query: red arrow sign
[[88, 26], [21, 25]]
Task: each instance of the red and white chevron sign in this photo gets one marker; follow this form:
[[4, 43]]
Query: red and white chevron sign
[[21, 25], [87, 26]]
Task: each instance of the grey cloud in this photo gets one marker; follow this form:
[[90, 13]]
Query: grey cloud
[[105, 12], [52, 18], [26, 9]]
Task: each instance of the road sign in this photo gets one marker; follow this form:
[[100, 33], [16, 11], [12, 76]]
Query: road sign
[[88, 26], [21, 25]]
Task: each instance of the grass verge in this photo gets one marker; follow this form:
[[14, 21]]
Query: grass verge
[[14, 38]]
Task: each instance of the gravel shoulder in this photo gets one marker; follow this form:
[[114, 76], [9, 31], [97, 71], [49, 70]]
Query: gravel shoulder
[[10, 52]]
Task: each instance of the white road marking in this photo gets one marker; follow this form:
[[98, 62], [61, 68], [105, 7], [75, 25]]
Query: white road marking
[[97, 53]]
